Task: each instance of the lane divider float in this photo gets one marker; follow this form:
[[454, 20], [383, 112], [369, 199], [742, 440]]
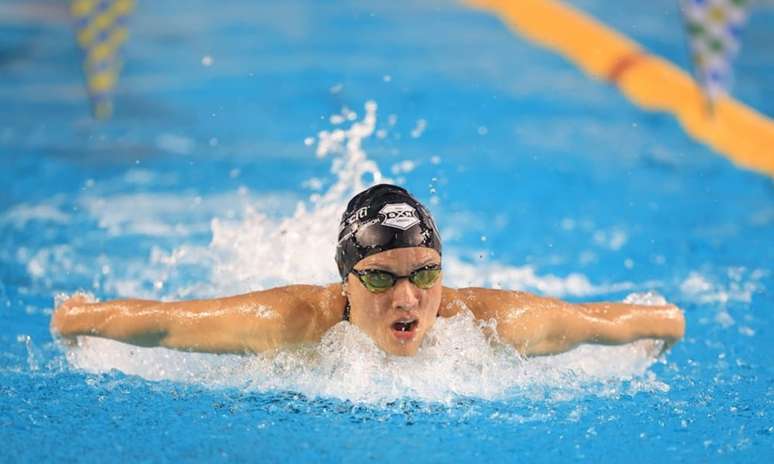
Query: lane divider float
[[732, 128]]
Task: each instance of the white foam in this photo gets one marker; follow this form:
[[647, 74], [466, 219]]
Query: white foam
[[459, 272], [172, 214], [46, 259], [347, 365], [23, 213], [259, 251], [647, 298], [740, 286]]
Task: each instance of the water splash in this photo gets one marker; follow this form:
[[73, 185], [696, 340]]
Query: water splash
[[259, 250], [347, 365], [33, 356], [460, 272]]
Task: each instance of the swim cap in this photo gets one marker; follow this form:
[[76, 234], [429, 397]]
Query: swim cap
[[382, 218]]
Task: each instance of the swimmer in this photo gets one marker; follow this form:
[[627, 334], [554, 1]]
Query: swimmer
[[389, 260]]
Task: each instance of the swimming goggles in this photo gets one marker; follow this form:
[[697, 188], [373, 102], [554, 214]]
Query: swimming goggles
[[378, 281]]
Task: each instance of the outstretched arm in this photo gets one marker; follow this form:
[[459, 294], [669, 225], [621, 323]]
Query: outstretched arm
[[540, 326], [252, 322]]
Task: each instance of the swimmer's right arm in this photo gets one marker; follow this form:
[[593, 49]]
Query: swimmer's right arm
[[248, 323]]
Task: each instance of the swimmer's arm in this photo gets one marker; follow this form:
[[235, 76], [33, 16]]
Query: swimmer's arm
[[541, 326], [249, 323], [570, 325]]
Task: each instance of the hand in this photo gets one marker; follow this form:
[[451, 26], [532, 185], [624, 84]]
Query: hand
[[656, 348], [60, 325], [675, 329], [666, 345]]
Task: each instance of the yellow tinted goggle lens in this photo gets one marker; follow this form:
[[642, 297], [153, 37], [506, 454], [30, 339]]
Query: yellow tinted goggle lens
[[379, 281], [425, 278]]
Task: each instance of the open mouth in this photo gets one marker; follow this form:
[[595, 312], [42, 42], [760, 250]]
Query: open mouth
[[404, 329], [404, 326]]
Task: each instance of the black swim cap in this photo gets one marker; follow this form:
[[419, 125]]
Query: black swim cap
[[381, 218]]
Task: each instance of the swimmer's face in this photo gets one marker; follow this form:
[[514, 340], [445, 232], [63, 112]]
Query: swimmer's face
[[398, 318]]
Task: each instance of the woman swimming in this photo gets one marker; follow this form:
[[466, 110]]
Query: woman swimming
[[389, 259]]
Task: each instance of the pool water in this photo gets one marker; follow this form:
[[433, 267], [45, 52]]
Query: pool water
[[238, 135]]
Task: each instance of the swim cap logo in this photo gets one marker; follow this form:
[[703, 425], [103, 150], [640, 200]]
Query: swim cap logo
[[357, 215], [399, 215]]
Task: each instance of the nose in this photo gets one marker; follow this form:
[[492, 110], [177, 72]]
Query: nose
[[405, 295]]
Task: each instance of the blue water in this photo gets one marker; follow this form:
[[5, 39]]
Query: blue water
[[526, 162]]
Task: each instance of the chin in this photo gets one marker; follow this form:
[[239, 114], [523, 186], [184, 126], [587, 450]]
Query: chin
[[405, 350], [401, 349]]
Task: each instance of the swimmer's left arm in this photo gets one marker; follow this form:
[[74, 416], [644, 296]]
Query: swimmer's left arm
[[541, 326], [610, 323]]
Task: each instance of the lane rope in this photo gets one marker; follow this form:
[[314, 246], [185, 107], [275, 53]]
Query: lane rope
[[733, 129]]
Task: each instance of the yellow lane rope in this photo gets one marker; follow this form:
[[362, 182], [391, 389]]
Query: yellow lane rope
[[101, 31], [732, 128]]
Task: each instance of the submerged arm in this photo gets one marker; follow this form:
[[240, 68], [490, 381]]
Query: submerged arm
[[252, 322], [539, 326]]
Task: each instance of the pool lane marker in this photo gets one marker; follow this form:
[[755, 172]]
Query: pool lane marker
[[100, 29], [733, 129]]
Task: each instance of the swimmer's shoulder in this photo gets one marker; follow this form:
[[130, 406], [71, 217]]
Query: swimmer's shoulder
[[484, 303], [325, 302], [330, 303], [319, 307]]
